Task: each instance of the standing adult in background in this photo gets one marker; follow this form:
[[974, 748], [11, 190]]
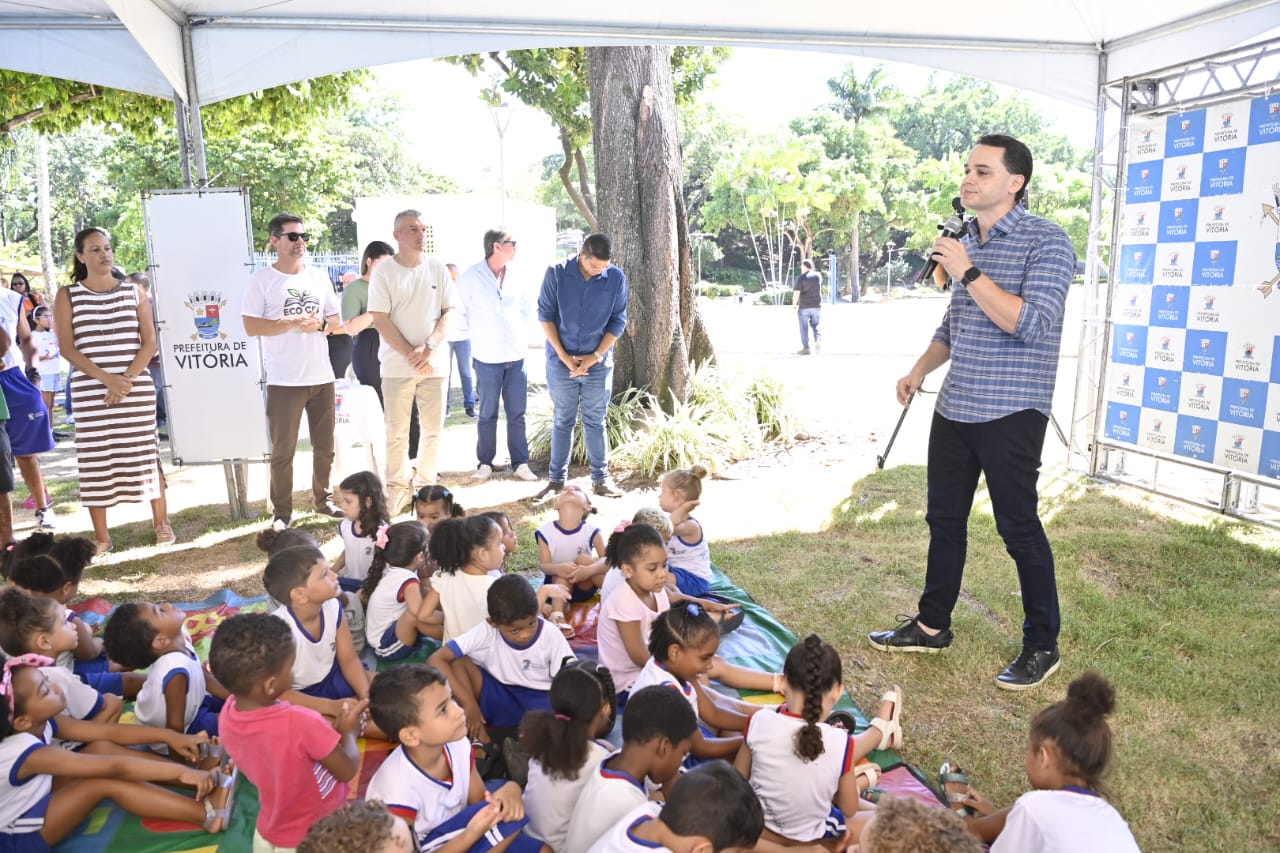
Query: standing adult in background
[[359, 322], [30, 301], [290, 305], [809, 306], [410, 298], [460, 355], [143, 281], [1002, 333], [499, 311], [583, 311], [339, 342], [107, 333]]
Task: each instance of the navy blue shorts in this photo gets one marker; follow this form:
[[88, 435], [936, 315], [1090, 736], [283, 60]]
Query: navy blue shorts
[[28, 426], [504, 705], [389, 639], [576, 596], [689, 583], [455, 825], [206, 719], [97, 675], [349, 584], [333, 686]]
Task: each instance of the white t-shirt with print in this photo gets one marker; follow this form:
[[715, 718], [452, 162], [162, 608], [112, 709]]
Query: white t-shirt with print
[[293, 358]]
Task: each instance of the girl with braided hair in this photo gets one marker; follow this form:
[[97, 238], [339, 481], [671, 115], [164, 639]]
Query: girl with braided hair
[[807, 773]]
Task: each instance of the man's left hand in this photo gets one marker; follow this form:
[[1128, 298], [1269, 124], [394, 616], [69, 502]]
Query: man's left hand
[[952, 256], [584, 364]]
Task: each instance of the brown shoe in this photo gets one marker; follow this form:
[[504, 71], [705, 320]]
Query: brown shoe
[[165, 535]]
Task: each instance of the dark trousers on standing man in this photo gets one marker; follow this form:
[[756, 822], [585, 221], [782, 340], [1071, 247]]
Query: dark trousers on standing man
[[285, 407], [1007, 452]]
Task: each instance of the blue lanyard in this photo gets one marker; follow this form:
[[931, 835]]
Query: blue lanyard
[[1077, 789]]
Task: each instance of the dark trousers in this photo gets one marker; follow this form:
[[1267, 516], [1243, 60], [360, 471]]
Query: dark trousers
[[1007, 451], [285, 407]]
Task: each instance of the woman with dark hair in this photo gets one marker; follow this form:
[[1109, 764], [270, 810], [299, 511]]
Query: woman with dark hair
[[106, 332], [30, 301], [359, 322]]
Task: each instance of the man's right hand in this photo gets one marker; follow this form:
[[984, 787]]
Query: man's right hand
[[419, 358], [907, 386], [572, 362]]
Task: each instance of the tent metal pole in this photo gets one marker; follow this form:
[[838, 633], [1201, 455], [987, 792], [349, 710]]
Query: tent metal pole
[[195, 127], [184, 150]]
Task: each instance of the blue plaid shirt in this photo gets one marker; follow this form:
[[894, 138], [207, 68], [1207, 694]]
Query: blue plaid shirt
[[993, 373]]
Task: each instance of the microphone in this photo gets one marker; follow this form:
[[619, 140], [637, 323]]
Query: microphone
[[951, 228]]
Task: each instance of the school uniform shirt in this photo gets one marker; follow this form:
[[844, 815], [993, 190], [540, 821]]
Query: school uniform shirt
[[83, 701], [150, 706], [796, 795], [280, 748], [420, 798], [46, 344], [694, 559], [464, 600], [655, 673], [23, 803], [566, 545], [549, 802], [623, 605], [1061, 821], [532, 665], [621, 837], [358, 551], [606, 797], [386, 603], [314, 655]]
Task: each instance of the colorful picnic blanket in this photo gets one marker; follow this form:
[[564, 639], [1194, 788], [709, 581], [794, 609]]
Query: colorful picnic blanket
[[762, 642]]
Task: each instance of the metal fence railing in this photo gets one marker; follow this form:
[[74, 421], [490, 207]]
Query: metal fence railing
[[334, 265]]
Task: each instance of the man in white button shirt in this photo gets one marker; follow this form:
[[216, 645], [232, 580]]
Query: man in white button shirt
[[500, 312], [410, 297]]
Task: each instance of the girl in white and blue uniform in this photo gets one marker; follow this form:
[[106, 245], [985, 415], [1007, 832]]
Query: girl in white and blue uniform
[[688, 554]]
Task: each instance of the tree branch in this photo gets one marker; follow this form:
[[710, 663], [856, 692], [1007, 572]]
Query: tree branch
[[580, 201], [10, 125]]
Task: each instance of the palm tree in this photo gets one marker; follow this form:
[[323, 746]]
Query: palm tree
[[858, 99]]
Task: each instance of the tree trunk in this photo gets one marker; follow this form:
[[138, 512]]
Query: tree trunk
[[855, 269], [639, 203], [42, 216]]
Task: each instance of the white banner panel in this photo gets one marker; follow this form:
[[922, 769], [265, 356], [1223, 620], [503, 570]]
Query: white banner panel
[[200, 246]]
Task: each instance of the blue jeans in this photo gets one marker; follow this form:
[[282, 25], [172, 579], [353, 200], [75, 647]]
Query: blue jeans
[[509, 381], [1007, 451], [809, 317], [461, 353], [590, 394]]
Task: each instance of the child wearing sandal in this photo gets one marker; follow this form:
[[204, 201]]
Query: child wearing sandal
[[687, 548], [1068, 753], [808, 773], [298, 761], [36, 814], [571, 553], [177, 694]]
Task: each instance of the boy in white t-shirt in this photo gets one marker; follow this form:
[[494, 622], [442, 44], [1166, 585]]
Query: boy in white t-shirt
[[503, 667], [711, 809], [292, 307]]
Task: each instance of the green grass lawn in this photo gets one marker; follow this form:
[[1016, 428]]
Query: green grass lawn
[[1180, 616]]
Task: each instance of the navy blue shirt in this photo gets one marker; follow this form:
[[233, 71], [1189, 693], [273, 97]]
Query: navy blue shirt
[[583, 311]]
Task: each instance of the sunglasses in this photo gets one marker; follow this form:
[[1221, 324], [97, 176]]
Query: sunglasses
[[511, 243], [295, 236]]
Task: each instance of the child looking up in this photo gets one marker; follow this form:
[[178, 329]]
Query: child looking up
[[298, 762], [710, 808], [176, 694], [503, 667], [364, 510], [658, 726], [1068, 753], [562, 749], [571, 552], [36, 814], [687, 548], [398, 614], [469, 554], [429, 780], [327, 672], [805, 771]]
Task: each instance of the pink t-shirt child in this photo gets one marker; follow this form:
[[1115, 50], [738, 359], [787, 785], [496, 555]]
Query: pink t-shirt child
[[623, 605], [279, 749]]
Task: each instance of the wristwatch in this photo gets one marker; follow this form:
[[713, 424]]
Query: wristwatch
[[430, 346], [600, 357], [971, 275]]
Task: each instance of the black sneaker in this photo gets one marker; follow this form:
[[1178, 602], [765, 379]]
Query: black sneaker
[[471, 411], [908, 637], [606, 489], [553, 487], [1029, 669]]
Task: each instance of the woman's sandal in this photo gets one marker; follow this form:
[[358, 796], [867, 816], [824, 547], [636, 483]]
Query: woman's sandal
[[484, 755], [869, 769], [101, 549], [874, 795], [217, 820], [165, 535], [951, 774], [890, 729], [557, 619], [732, 621]]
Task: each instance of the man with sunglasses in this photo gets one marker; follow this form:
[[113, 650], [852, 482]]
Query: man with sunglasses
[[411, 296], [290, 305]]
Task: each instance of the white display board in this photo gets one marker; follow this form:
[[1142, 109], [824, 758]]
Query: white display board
[[200, 247]]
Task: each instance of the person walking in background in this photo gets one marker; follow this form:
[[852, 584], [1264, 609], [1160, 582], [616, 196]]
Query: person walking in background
[[290, 304], [460, 355], [106, 331], [809, 306], [583, 311], [411, 298], [1002, 333], [499, 312]]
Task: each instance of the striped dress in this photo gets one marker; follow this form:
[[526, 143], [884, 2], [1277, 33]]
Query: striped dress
[[116, 446]]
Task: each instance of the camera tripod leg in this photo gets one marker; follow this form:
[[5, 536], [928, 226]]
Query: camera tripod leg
[[880, 459]]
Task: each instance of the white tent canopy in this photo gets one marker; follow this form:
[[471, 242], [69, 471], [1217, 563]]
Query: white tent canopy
[[209, 50]]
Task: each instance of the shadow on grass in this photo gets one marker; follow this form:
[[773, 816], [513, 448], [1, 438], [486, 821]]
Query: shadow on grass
[[1179, 615]]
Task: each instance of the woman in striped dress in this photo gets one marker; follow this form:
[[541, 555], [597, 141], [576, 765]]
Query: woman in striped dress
[[107, 334]]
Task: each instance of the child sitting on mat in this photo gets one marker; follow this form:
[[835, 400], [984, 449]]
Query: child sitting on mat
[[398, 614], [469, 554], [688, 553], [571, 553], [364, 509]]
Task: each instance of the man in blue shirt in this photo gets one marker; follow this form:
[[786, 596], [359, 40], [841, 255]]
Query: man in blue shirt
[[1002, 333], [583, 310]]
